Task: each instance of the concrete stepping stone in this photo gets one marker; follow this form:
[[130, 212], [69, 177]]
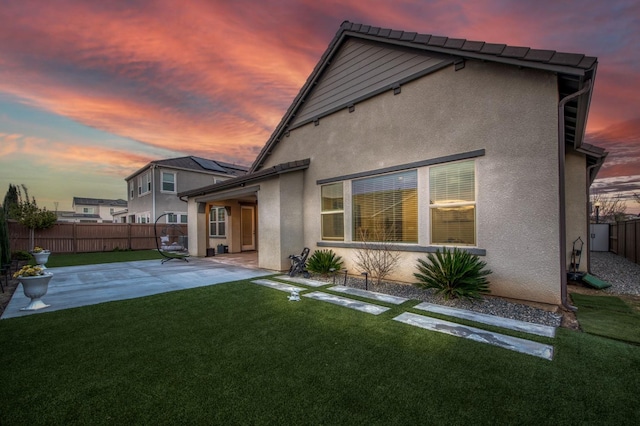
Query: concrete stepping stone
[[511, 324], [278, 286], [496, 339], [304, 281], [381, 297], [348, 303]]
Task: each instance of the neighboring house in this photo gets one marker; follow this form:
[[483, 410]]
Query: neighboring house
[[436, 142], [98, 210], [153, 190], [71, 216]]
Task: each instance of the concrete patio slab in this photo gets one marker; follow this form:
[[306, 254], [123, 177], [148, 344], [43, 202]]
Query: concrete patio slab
[[278, 286], [75, 286], [303, 281], [511, 324], [381, 297], [348, 303], [496, 339]]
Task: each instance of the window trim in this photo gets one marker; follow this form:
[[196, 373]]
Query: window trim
[[174, 183], [144, 182], [424, 208], [401, 167], [332, 212], [474, 204], [217, 222]]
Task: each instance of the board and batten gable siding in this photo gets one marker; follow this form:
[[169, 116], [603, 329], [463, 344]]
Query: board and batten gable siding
[[359, 70], [509, 112]]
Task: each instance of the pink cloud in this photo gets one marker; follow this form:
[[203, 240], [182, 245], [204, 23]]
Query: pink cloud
[[213, 78]]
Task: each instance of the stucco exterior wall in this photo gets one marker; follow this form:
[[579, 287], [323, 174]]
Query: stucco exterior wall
[[271, 252], [511, 113], [280, 221], [196, 229], [576, 205]]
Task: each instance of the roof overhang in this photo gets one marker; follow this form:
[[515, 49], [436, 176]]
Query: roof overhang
[[242, 181], [230, 194]]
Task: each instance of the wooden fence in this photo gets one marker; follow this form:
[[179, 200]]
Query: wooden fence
[[624, 238], [88, 237]]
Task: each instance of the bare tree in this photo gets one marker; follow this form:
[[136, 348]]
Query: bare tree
[[375, 256], [607, 208]]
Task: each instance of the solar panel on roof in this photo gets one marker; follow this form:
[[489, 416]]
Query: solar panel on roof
[[209, 165]]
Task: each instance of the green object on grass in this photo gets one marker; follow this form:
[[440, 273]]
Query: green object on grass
[[594, 282], [607, 316]]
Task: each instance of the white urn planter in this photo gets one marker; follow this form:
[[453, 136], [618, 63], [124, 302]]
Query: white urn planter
[[34, 288], [42, 258]]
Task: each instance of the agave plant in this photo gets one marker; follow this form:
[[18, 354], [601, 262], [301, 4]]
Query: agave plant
[[454, 274], [322, 261]]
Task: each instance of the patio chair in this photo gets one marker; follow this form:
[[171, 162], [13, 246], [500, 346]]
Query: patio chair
[[299, 264], [171, 242]]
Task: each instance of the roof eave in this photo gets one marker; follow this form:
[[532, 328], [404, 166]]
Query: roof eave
[[248, 178]]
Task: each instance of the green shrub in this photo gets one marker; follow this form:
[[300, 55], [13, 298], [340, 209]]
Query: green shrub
[[454, 274], [322, 261], [21, 255]]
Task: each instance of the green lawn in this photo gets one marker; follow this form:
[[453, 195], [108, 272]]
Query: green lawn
[[608, 316], [239, 353], [57, 259]]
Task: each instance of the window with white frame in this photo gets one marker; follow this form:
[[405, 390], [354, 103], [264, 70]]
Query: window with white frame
[[88, 210], [131, 189], [176, 218], [168, 182], [217, 222], [143, 217], [452, 203], [144, 183], [385, 208], [332, 212]]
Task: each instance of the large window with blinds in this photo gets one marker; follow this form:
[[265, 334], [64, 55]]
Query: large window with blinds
[[385, 208], [332, 212], [452, 202]]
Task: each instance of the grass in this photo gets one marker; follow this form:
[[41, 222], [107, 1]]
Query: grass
[[238, 353], [58, 260], [608, 316]]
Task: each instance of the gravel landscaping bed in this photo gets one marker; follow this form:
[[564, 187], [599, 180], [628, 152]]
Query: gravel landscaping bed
[[488, 305], [623, 275]]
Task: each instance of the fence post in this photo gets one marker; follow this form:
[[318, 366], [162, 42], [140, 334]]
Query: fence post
[[129, 235], [75, 239]]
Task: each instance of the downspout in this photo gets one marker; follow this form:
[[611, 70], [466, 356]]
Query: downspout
[[562, 194]]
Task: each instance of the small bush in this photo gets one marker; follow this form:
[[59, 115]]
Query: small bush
[[454, 274], [322, 261], [20, 255]]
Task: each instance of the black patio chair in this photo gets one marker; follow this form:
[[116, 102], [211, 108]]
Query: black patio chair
[[299, 264], [170, 241]]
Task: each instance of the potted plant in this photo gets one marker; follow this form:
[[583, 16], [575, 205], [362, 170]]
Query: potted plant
[[35, 283], [41, 255]]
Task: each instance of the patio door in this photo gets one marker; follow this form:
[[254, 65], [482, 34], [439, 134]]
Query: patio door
[[248, 230]]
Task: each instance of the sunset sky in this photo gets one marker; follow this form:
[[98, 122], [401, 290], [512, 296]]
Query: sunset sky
[[90, 91]]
